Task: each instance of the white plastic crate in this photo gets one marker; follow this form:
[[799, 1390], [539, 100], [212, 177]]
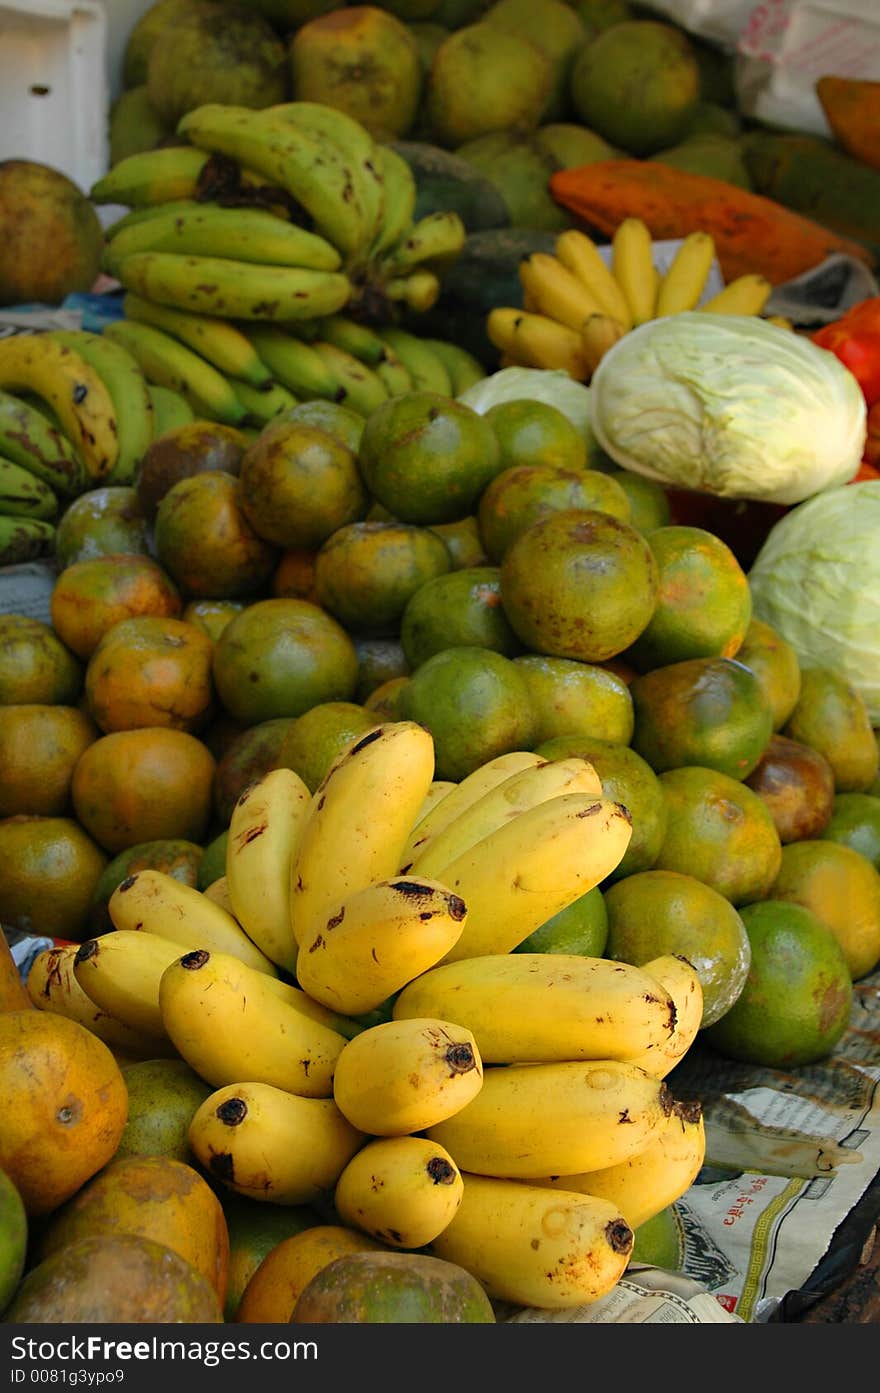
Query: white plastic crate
[[53, 85]]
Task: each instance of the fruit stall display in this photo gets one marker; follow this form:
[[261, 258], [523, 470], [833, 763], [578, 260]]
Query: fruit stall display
[[397, 702]]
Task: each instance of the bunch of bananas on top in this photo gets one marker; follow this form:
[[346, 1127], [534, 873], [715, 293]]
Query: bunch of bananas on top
[[576, 305], [282, 214], [349, 989]]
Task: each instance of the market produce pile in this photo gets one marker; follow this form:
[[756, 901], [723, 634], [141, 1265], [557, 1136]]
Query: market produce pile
[[409, 774]]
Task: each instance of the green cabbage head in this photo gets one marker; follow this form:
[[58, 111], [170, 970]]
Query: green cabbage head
[[729, 405], [816, 580]]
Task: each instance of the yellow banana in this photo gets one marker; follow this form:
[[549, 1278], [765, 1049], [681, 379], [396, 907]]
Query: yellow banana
[[432, 820], [263, 833], [294, 363], [308, 166], [748, 294], [418, 289], [526, 789], [169, 363], [358, 820], [436, 793], [218, 891], [546, 1007], [582, 257], [52, 986], [399, 193], [129, 392], [151, 176], [404, 1075], [537, 341], [684, 280], [519, 876], [121, 973], [228, 1024], [653, 1178], [598, 334], [271, 1145], [401, 1190], [529, 1121], [243, 234], [78, 396], [633, 267], [679, 978], [219, 342], [535, 1247], [159, 903], [433, 240], [262, 404], [421, 362], [374, 941], [357, 385], [556, 291], [233, 289]]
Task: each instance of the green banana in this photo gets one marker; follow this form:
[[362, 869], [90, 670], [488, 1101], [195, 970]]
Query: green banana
[[216, 340], [24, 539], [354, 143], [263, 404], [392, 372], [233, 289], [151, 176], [170, 409], [243, 234], [362, 390], [400, 194], [29, 439], [309, 168], [435, 240], [23, 495], [171, 364], [424, 367], [464, 369], [135, 216], [294, 363], [127, 385], [357, 339]]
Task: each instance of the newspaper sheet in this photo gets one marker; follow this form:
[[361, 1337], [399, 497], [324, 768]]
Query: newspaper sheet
[[788, 1156]]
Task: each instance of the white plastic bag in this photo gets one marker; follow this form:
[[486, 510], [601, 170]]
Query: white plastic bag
[[785, 45], [719, 22]]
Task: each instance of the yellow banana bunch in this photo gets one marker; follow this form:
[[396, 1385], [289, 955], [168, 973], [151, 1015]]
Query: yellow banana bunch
[[400, 1190], [524, 872], [358, 820], [227, 1023], [432, 820], [653, 1178], [546, 1007], [402, 1076], [264, 831], [377, 939], [271, 1145], [535, 1247], [679, 978], [527, 789], [533, 1120], [159, 903]]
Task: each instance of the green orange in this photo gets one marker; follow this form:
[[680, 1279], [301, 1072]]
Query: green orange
[[571, 698], [366, 572], [523, 493], [842, 888], [705, 711], [831, 716], [454, 609], [704, 604], [775, 664], [719, 831], [35, 666], [530, 431], [797, 998]]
